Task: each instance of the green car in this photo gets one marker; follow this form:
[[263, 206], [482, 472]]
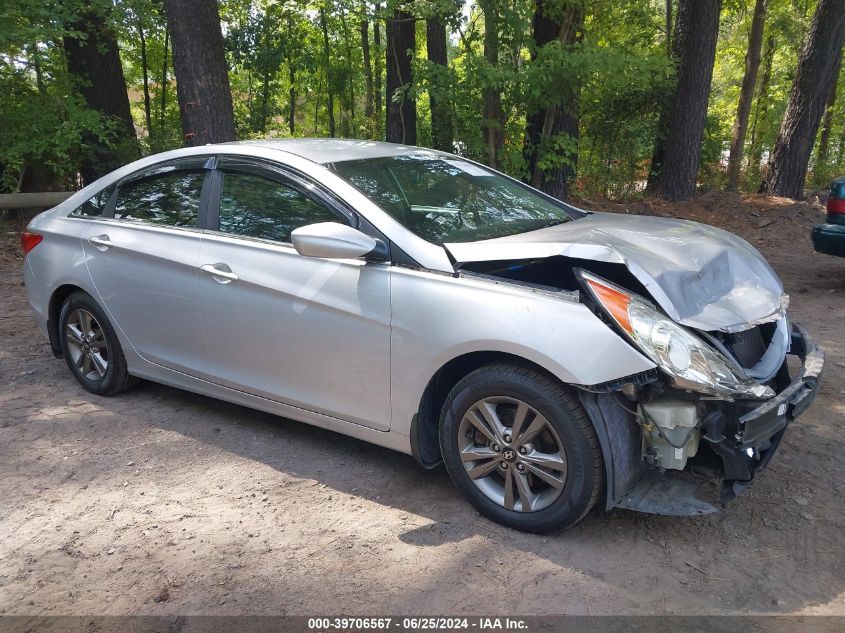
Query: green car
[[829, 238]]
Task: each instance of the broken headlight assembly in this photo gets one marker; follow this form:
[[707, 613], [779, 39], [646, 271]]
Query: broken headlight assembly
[[690, 362]]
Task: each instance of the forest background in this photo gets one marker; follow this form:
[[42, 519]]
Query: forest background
[[617, 99]]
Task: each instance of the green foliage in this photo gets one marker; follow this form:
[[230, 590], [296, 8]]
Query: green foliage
[[627, 75], [43, 137], [618, 67], [45, 128], [148, 16]]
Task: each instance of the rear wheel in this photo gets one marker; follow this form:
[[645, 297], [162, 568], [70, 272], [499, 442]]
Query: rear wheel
[[91, 348], [520, 448]]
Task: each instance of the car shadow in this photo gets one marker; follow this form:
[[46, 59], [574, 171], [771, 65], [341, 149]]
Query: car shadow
[[764, 553]]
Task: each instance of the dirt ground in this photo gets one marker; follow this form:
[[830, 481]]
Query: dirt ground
[[158, 501]]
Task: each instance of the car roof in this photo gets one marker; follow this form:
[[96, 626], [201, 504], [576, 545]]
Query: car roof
[[335, 150]]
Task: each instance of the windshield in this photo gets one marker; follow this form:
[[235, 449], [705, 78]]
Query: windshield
[[446, 199]]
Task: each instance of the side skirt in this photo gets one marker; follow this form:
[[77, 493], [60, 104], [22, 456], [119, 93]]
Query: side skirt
[[156, 373]]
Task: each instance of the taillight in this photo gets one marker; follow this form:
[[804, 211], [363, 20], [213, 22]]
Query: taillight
[[30, 240], [835, 205]]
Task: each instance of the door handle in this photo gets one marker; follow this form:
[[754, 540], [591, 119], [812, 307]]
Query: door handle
[[220, 272], [101, 242]]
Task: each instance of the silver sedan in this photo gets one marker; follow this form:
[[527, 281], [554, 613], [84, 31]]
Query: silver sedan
[[550, 357]]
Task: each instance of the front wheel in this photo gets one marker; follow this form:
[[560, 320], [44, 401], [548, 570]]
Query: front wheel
[[521, 449]]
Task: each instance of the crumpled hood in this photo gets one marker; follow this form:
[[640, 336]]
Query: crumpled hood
[[703, 277]]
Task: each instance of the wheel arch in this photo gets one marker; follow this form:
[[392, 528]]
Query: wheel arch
[[425, 445], [57, 299]]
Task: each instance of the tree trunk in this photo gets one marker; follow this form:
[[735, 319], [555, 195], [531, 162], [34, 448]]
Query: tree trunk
[[264, 114], [841, 154], [401, 109], [439, 94], [148, 117], [558, 118], [746, 94], [493, 117], [813, 81], [265, 102], [292, 80], [827, 121], [93, 59], [35, 56], [377, 87], [761, 108], [202, 80], [689, 111], [349, 115], [368, 73], [164, 79], [669, 28], [328, 67], [676, 47], [292, 99]]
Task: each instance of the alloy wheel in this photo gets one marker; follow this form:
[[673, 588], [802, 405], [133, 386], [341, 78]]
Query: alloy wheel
[[87, 345], [512, 454]]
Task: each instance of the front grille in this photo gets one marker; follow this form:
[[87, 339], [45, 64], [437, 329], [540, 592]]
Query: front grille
[[749, 345]]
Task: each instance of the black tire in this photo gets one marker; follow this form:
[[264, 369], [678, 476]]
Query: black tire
[[116, 377], [585, 470]]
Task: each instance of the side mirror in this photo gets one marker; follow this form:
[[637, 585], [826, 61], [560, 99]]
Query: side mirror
[[333, 240]]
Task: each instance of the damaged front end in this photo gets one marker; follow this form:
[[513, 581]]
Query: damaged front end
[[662, 442], [708, 311], [722, 420]]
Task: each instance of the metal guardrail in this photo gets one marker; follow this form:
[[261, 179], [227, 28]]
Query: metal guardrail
[[43, 200]]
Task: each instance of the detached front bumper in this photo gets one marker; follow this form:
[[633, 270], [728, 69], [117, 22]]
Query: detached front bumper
[[746, 434]]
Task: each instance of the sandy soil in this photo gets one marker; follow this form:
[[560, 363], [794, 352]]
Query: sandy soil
[[162, 502]]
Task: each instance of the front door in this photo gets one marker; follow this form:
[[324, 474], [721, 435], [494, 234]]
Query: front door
[[309, 332]]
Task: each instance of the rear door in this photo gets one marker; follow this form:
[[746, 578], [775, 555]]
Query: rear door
[[143, 261], [309, 332]]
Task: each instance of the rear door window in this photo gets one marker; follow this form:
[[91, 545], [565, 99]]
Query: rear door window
[[169, 198], [96, 205]]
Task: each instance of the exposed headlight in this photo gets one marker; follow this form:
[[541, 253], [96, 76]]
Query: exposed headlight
[[689, 361]]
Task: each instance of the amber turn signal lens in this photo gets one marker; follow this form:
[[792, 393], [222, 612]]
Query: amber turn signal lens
[[615, 302]]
